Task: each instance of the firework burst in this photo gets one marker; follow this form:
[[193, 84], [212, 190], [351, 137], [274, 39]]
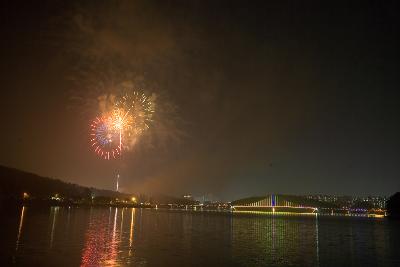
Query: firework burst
[[105, 139], [132, 115], [128, 118]]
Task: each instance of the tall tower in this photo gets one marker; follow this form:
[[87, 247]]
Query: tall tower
[[117, 182]]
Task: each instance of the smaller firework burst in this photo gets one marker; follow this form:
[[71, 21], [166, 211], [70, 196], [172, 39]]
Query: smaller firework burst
[[105, 139]]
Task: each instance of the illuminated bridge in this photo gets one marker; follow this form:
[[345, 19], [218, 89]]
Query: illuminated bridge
[[279, 204]]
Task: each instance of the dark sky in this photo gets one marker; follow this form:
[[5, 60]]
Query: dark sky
[[254, 97]]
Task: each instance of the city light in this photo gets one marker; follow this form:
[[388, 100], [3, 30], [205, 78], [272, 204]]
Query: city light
[[56, 197]]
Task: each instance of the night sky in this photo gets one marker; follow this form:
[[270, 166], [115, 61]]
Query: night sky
[[253, 97]]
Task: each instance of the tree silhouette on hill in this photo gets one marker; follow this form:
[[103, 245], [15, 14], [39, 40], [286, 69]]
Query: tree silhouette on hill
[[393, 206]]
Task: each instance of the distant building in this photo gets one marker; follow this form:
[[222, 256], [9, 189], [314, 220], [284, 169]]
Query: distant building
[[351, 201]]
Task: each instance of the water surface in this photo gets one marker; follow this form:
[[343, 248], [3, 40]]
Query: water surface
[[142, 237]]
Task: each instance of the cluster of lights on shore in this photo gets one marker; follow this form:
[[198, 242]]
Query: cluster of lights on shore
[[57, 197], [117, 128]]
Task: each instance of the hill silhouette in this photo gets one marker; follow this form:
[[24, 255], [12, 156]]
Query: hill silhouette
[[14, 183]]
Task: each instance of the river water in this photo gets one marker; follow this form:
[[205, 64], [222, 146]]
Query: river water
[[62, 236]]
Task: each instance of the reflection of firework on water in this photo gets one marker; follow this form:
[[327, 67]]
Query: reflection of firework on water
[[105, 140]]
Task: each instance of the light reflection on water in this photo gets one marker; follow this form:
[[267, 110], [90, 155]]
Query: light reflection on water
[[276, 240], [21, 222], [137, 237], [53, 215]]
